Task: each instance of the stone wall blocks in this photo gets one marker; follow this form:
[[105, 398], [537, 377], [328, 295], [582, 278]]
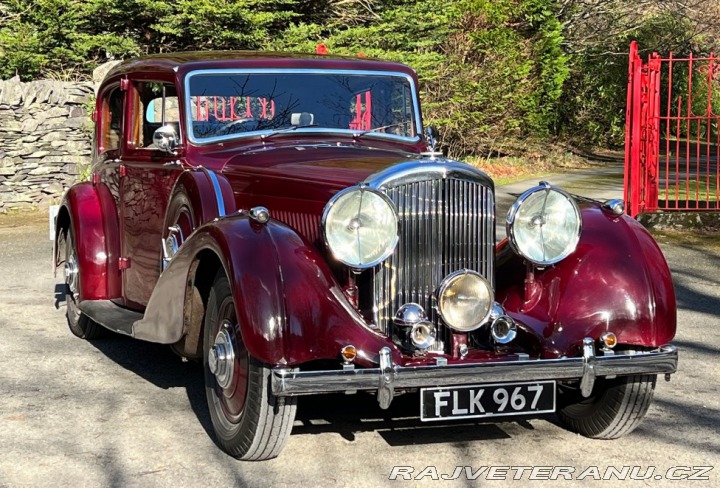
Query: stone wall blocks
[[30, 125], [43, 143], [75, 122], [53, 136]]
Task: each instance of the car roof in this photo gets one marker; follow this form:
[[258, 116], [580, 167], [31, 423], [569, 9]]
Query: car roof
[[182, 62]]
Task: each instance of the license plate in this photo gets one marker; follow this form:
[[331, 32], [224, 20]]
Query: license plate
[[498, 400]]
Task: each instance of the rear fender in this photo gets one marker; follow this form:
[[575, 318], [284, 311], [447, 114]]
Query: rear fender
[[90, 211], [617, 280], [289, 305]]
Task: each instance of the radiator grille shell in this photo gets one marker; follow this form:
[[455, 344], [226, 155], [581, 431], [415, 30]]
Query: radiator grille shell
[[446, 215]]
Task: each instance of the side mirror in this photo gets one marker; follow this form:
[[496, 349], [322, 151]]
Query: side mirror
[[166, 139]]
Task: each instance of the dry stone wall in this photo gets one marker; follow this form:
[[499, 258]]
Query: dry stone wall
[[45, 140]]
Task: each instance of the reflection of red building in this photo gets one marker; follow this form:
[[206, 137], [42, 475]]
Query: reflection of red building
[[363, 112], [227, 109]]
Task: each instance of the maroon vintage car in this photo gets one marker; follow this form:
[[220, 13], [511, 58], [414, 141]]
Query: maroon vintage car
[[284, 220]]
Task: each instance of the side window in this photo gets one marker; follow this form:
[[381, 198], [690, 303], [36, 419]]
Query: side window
[[156, 104], [112, 118]]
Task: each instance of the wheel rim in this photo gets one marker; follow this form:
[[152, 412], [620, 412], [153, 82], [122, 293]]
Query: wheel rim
[[71, 273], [228, 364], [176, 234], [221, 357], [72, 282]]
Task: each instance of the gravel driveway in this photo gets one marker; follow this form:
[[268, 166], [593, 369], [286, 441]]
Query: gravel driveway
[[119, 412]]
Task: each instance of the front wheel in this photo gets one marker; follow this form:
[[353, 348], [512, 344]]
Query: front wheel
[[615, 408], [250, 422]]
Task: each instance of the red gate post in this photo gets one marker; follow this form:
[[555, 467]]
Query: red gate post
[[652, 136], [632, 133]]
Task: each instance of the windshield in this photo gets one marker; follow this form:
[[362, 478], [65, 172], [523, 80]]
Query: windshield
[[223, 103]]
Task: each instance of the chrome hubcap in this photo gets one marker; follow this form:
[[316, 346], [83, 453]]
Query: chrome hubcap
[[221, 358], [71, 273]]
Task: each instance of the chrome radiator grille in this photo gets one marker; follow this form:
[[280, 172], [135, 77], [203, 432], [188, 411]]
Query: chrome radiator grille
[[445, 225]]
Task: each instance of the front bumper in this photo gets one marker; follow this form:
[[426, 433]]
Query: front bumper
[[388, 376]]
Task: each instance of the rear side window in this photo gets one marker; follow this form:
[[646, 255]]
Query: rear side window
[[112, 120]]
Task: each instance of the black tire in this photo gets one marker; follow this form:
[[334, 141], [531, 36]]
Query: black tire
[[80, 324], [250, 422], [615, 408]]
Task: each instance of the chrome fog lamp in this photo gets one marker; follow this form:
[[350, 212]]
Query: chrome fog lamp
[[414, 327], [544, 225], [503, 329], [360, 227], [465, 300], [423, 335]]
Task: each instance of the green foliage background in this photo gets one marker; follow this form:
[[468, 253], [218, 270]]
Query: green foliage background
[[494, 73]]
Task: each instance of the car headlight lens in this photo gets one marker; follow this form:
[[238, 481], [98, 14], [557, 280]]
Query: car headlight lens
[[544, 225], [465, 300], [361, 227]]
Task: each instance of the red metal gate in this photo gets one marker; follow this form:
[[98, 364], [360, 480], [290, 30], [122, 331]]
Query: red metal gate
[[672, 135]]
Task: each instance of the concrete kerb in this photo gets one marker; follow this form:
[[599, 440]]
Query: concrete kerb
[[658, 221]]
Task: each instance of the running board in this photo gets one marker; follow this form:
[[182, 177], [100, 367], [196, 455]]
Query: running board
[[111, 316]]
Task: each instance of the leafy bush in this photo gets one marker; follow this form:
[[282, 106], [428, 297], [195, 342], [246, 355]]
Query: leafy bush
[[489, 70], [50, 35]]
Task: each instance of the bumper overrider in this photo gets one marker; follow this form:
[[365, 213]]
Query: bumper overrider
[[388, 377]]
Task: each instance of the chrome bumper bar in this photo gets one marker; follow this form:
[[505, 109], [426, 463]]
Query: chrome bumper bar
[[388, 377]]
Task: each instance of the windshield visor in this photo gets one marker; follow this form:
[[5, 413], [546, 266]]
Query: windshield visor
[[224, 104]]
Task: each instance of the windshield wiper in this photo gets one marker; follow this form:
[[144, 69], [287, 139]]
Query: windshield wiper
[[358, 135], [286, 129]]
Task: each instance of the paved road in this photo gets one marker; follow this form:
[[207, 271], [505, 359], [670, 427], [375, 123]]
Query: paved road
[[119, 412]]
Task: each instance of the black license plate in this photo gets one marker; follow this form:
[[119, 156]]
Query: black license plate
[[497, 400]]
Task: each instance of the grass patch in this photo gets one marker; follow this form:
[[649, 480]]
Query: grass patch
[[707, 238], [19, 218], [691, 190]]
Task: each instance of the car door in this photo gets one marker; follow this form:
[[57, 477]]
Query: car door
[[148, 176], [107, 150]]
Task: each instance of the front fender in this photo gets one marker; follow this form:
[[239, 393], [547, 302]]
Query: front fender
[[617, 280], [290, 307], [92, 218], [195, 189]]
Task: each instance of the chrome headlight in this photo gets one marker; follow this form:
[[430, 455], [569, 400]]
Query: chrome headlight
[[465, 300], [544, 225], [360, 226]]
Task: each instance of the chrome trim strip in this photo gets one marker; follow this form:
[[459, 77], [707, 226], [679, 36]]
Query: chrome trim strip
[[421, 170], [218, 192], [286, 382], [188, 107]]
